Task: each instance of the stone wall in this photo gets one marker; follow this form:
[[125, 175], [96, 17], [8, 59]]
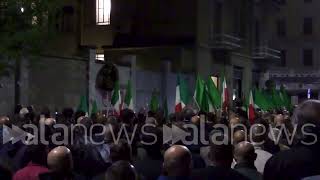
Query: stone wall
[[56, 82]]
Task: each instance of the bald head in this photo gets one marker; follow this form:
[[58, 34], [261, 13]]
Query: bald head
[[258, 133], [4, 120], [195, 120], [239, 136], [177, 161], [307, 112], [151, 121], [49, 121], [244, 153], [23, 112], [60, 160], [279, 119], [121, 170], [234, 121]]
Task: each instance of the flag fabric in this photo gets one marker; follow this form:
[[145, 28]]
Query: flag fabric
[[206, 104], [128, 101], [94, 109], [276, 99], [116, 98], [285, 98], [182, 94], [83, 106], [213, 94], [154, 103], [199, 92], [224, 96], [261, 101], [250, 110], [269, 99]]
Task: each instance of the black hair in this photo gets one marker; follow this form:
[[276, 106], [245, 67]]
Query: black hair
[[121, 170], [37, 153], [120, 150]]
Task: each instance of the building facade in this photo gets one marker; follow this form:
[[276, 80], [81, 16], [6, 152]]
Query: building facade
[[151, 42], [295, 31]]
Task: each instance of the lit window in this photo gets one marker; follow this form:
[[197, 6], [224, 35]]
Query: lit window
[[103, 10], [100, 57]]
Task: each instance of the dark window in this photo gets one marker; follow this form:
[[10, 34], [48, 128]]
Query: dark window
[[281, 27], [67, 19], [308, 57], [307, 1], [283, 57], [307, 26], [240, 19], [257, 33], [217, 17]]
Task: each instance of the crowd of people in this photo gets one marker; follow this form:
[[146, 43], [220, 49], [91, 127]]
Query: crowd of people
[[278, 145]]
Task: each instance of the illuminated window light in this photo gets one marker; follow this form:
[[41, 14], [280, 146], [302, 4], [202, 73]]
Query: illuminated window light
[[103, 11], [100, 57]]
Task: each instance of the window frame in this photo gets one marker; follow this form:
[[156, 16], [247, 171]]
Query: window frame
[[307, 26], [101, 6], [100, 57], [283, 56], [307, 61]]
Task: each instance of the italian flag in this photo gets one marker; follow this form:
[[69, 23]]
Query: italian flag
[[116, 98], [199, 92], [181, 95], [250, 110], [224, 95], [128, 101], [83, 106]]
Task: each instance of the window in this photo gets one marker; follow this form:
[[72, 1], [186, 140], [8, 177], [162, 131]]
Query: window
[[67, 19], [103, 10], [307, 1], [281, 27], [100, 57], [240, 20], [217, 17], [307, 26], [308, 57], [257, 33], [283, 57]]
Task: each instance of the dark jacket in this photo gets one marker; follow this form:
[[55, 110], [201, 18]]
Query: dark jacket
[[213, 172], [296, 163], [249, 171]]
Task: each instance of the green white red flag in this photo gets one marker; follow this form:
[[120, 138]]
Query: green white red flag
[[224, 96], [250, 110], [128, 101], [182, 96], [116, 98]]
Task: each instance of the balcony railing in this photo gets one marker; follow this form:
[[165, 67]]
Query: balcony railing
[[225, 41], [266, 52]]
